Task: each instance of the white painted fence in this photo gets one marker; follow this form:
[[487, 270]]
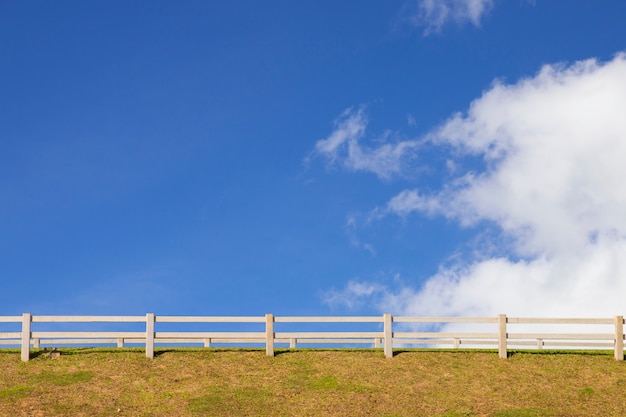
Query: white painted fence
[[500, 332]]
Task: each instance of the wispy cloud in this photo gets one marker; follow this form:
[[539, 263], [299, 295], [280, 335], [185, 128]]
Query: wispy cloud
[[554, 147], [349, 128], [433, 15], [408, 201], [344, 146], [351, 227], [353, 295]]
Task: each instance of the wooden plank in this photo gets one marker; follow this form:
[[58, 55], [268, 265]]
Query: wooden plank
[[451, 342], [335, 341], [237, 341], [89, 319], [618, 351], [57, 342], [535, 320], [210, 335], [87, 335], [269, 334], [335, 335], [410, 342], [203, 341], [562, 336], [200, 340], [410, 319], [26, 335], [388, 335], [329, 319], [10, 335], [209, 319], [502, 336], [540, 344], [135, 340], [512, 343], [10, 319], [444, 335], [150, 335], [577, 344], [480, 342]]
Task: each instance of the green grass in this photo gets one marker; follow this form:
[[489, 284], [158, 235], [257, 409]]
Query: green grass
[[15, 392], [223, 382], [222, 401], [62, 378], [522, 412]]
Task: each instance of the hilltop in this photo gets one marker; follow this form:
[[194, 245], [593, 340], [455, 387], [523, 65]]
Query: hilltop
[[245, 382]]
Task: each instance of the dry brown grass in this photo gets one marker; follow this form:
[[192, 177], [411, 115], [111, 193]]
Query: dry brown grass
[[187, 382]]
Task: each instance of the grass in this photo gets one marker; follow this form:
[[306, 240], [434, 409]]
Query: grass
[[214, 382]]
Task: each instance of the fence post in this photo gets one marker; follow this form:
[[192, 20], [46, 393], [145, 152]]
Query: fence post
[[502, 353], [388, 331], [619, 338], [150, 335], [26, 320], [269, 334]]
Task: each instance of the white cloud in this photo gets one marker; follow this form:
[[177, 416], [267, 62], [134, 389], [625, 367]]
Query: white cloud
[[353, 295], [554, 147], [351, 225], [434, 14], [409, 201], [349, 127], [344, 146], [589, 285]]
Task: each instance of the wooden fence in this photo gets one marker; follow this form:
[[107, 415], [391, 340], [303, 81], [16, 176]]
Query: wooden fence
[[384, 331]]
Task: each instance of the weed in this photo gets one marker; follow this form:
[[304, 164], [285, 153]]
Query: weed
[[458, 414], [18, 391], [324, 383], [223, 402], [521, 412], [61, 378]]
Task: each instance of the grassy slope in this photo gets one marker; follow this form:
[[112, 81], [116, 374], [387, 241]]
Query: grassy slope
[[93, 382]]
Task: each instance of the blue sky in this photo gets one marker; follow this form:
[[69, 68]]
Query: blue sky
[[312, 157]]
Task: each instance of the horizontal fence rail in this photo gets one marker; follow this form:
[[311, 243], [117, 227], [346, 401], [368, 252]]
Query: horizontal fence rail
[[384, 331]]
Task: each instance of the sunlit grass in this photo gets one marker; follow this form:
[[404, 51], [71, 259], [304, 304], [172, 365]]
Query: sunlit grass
[[231, 382]]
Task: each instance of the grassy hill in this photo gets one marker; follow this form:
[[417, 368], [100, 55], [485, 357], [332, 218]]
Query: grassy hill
[[190, 382]]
